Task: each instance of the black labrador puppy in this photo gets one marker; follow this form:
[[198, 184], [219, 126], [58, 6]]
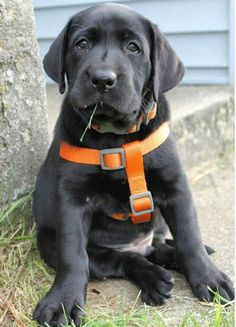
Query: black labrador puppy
[[117, 61]]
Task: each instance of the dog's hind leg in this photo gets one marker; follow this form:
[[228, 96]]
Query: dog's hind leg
[[154, 281], [165, 255], [46, 242]]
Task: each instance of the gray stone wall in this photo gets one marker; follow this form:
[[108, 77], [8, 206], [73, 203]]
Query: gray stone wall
[[23, 118]]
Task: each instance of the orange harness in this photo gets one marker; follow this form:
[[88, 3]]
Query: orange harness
[[129, 157]]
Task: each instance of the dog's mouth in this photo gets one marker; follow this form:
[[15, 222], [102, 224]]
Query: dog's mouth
[[103, 112]]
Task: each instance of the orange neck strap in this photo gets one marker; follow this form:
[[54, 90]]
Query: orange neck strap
[[129, 157]]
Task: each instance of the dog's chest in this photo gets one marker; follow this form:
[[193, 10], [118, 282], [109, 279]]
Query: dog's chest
[[142, 244], [110, 191]]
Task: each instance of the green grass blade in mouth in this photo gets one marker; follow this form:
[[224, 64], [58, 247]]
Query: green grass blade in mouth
[[89, 123]]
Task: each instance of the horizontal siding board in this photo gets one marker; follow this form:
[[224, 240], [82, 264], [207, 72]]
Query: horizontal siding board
[[39, 4], [206, 76], [231, 42], [201, 49], [172, 16], [182, 15]]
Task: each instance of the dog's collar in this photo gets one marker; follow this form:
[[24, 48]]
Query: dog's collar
[[107, 127], [129, 157]]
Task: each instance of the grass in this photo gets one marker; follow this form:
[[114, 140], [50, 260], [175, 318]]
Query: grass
[[24, 279]]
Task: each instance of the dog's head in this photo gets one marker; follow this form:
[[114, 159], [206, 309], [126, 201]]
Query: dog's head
[[113, 58]]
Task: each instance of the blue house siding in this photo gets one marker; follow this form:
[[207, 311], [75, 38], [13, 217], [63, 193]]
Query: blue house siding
[[200, 31]]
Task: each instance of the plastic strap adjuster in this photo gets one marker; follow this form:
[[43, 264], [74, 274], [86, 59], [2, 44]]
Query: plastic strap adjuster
[[140, 196], [105, 152]]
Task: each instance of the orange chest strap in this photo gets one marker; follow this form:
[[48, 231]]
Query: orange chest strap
[[129, 157]]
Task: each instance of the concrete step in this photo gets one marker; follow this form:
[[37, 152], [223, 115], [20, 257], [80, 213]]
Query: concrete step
[[202, 120]]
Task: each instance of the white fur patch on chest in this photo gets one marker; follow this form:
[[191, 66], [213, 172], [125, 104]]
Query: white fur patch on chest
[[141, 245]]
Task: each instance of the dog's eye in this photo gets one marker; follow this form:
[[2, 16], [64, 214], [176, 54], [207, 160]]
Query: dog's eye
[[82, 44], [133, 47]]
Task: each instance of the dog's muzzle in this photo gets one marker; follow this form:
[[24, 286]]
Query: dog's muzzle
[[108, 127]]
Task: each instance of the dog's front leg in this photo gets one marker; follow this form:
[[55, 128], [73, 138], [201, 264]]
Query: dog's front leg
[[201, 273], [69, 288]]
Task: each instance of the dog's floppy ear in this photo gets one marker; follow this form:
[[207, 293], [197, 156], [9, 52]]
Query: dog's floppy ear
[[167, 68], [54, 60]]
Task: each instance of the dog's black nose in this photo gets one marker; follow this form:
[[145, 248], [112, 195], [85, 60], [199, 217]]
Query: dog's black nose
[[103, 80]]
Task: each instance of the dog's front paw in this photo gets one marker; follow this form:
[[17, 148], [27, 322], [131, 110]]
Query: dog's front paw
[[204, 277], [155, 283], [58, 307]]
